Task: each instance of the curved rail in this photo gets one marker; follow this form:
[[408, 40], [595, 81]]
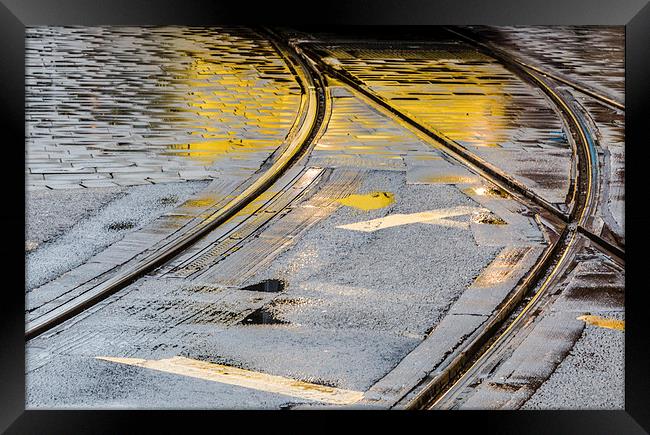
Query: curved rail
[[585, 203], [554, 257], [584, 89], [454, 149], [311, 115]]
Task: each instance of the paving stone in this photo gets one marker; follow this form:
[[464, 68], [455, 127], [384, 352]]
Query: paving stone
[[120, 97]]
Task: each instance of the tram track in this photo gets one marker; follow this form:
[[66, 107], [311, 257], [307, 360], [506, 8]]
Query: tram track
[[554, 259], [585, 203], [308, 126], [530, 293], [460, 153]]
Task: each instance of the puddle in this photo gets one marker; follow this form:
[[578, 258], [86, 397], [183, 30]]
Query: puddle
[[488, 218], [262, 316], [267, 286], [603, 322], [121, 225], [490, 191], [368, 201]]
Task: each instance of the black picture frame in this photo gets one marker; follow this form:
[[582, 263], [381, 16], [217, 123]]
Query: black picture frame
[[15, 15]]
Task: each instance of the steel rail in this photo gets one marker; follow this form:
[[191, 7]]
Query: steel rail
[[568, 237], [588, 162], [457, 151], [513, 58], [313, 100], [528, 282]]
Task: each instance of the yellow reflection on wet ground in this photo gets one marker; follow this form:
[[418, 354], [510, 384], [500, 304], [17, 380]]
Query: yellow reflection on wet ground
[[357, 135], [461, 94], [160, 104], [368, 201], [471, 99], [603, 322], [241, 106], [244, 378]]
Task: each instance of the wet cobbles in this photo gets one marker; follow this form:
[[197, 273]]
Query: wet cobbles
[[473, 100], [130, 105], [359, 136], [593, 55]]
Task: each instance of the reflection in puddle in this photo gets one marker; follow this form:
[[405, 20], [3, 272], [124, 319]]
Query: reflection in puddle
[[490, 191], [226, 123], [262, 316], [488, 218], [267, 286], [368, 201]]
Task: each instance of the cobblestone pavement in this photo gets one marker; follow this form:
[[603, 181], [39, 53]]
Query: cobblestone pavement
[[362, 268], [472, 99], [593, 55], [111, 106]]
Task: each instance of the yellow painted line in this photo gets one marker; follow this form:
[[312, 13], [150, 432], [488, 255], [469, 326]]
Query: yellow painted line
[[434, 217], [244, 378], [603, 322]]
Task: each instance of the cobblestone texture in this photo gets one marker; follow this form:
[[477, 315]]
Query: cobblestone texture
[[109, 106], [593, 55], [469, 97]]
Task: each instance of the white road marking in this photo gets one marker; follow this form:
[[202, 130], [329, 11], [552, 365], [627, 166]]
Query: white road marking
[[244, 378], [433, 217]]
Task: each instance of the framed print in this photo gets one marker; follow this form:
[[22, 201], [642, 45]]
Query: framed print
[[378, 210]]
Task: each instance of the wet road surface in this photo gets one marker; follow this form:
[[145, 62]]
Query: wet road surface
[[114, 106], [352, 276]]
